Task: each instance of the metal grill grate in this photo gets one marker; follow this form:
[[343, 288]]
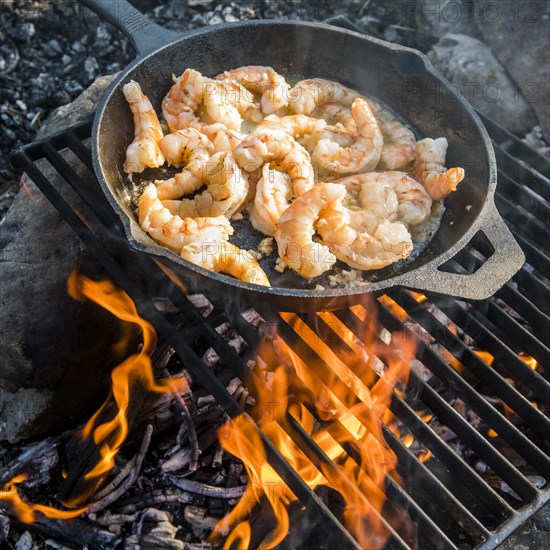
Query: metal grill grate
[[450, 502]]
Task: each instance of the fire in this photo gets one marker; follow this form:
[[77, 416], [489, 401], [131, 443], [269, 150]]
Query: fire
[[485, 356], [339, 387], [109, 436], [531, 362], [425, 456], [395, 308], [24, 511]]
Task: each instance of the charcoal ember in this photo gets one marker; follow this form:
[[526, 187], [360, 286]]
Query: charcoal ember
[[73, 88], [154, 530], [103, 38], [90, 68], [22, 33], [41, 89], [4, 528], [40, 469], [9, 55], [52, 48], [25, 542]]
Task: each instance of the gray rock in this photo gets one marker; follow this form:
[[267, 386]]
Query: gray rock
[[55, 352], [436, 18], [518, 31], [471, 66]]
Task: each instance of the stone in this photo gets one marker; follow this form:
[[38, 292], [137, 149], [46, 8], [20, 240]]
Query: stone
[[518, 33], [476, 73], [51, 345], [436, 18]]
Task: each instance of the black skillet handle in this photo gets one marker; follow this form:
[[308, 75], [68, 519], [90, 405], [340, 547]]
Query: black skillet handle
[[145, 35], [501, 266]]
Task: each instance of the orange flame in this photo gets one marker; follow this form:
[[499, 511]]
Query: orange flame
[[393, 306], [353, 417], [531, 362], [425, 456], [24, 511], [109, 436]]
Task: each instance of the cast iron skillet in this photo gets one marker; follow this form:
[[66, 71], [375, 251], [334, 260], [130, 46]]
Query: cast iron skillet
[[401, 77]]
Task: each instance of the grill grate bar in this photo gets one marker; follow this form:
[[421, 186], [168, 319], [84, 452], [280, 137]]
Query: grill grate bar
[[499, 464], [452, 418], [316, 507], [543, 355], [80, 150], [534, 288], [505, 140], [517, 216], [523, 173], [531, 313], [341, 391], [506, 430], [454, 464], [524, 339], [432, 441], [104, 215], [525, 197], [471, 323], [534, 255]]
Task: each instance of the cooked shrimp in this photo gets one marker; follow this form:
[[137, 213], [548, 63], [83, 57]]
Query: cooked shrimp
[[341, 129], [227, 140], [183, 99], [264, 81], [273, 192], [174, 232], [202, 241], [228, 102], [226, 190], [392, 196], [363, 155], [273, 146], [389, 243], [185, 146], [297, 126], [399, 147], [144, 150], [295, 229], [307, 94], [430, 169], [225, 257]]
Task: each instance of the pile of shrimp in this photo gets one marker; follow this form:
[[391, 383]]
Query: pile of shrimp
[[330, 174]]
